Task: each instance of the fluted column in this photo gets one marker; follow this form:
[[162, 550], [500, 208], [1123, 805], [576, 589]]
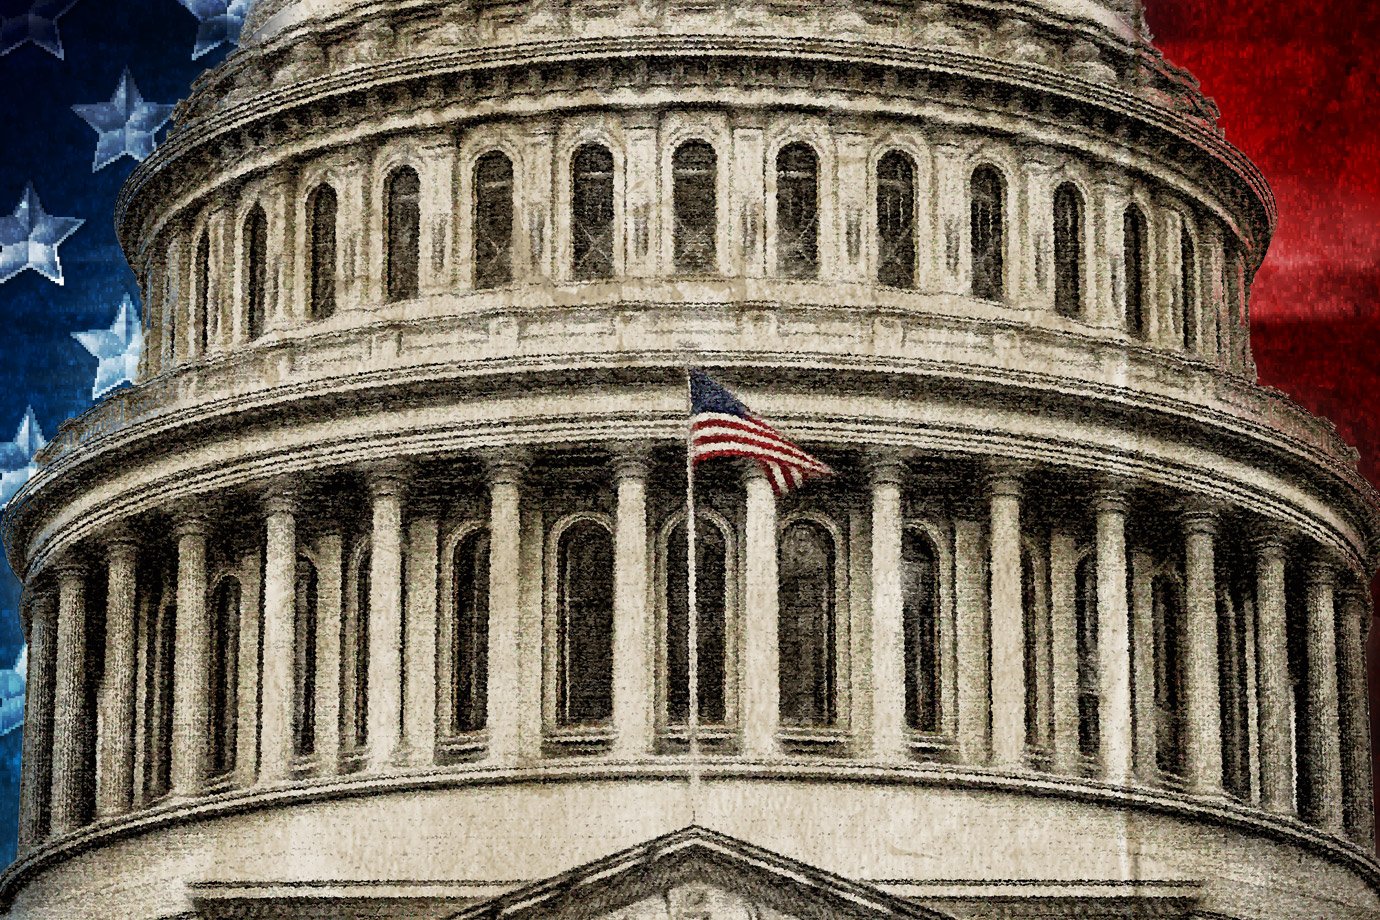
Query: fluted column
[[436, 271], [970, 640], [761, 703], [633, 623], [115, 719], [386, 488], [279, 587], [1063, 568], [746, 197], [534, 250], [191, 660], [1274, 689], [1109, 308], [642, 195], [505, 546], [1036, 277], [354, 228], [1324, 767], [888, 663], [1143, 665], [1354, 621], [419, 647], [1201, 685], [36, 779], [330, 559], [1007, 619], [845, 237], [1113, 639], [69, 702], [953, 271]]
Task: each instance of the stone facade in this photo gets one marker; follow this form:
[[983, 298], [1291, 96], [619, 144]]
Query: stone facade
[[368, 599]]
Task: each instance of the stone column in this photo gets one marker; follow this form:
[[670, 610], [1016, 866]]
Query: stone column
[[1274, 686], [1143, 665], [219, 277], [1201, 686], [848, 256], [36, 780], [888, 661], [970, 640], [278, 196], [436, 269], [419, 646], [1168, 289], [951, 245], [1063, 568], [330, 555], [1108, 310], [1035, 281], [1007, 619], [633, 619], [761, 701], [1324, 767], [69, 702], [279, 587], [1212, 265], [505, 547], [191, 661], [747, 200], [1113, 639], [354, 228], [386, 487], [115, 720], [1355, 716]]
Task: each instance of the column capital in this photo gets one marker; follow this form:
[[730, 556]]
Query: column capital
[[1198, 517], [630, 461], [751, 471], [886, 466], [70, 567], [282, 496], [1271, 540], [506, 466], [1322, 570], [120, 538], [388, 479], [191, 523], [1003, 477], [1111, 495]]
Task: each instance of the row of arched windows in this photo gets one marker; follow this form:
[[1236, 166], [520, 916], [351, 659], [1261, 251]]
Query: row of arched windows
[[695, 228]]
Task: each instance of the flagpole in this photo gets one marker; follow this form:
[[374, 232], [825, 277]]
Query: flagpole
[[692, 721]]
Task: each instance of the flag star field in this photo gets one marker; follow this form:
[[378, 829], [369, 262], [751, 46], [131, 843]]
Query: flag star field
[[87, 88]]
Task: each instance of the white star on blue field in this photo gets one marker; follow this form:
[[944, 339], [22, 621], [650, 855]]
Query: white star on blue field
[[36, 24], [126, 124], [29, 238], [116, 349], [221, 21]]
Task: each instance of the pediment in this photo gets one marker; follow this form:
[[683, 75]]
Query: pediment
[[696, 874]]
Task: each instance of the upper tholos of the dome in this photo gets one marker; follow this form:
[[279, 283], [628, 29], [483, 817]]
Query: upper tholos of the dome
[[270, 18]]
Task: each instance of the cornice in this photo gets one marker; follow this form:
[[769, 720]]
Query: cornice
[[1213, 812], [539, 69]]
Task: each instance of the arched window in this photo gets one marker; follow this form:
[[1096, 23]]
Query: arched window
[[711, 592], [304, 661], [355, 658], [988, 229], [321, 208], [1085, 634], [255, 272], [694, 175], [584, 686], [808, 671], [403, 245], [797, 211], [225, 651], [1168, 614], [493, 220], [1135, 231], [896, 251], [201, 316], [469, 649], [591, 212], [1188, 288], [1068, 250], [920, 606]]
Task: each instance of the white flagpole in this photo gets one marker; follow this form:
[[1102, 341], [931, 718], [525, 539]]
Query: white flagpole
[[692, 722]]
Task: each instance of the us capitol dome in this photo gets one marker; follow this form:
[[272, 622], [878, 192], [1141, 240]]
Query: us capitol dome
[[367, 600]]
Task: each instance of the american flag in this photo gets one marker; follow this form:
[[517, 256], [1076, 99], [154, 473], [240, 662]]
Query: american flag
[[721, 426]]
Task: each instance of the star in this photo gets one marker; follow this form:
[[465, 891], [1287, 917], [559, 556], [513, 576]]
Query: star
[[126, 124], [116, 349], [17, 456], [221, 21], [29, 238], [38, 25]]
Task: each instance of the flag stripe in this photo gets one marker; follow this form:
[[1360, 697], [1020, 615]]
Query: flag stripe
[[771, 448], [762, 433]]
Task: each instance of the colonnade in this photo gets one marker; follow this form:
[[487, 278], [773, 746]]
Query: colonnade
[[989, 726]]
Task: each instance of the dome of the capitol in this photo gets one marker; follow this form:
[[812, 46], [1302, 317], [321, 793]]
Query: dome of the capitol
[[1015, 595]]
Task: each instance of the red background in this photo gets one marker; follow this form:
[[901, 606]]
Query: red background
[[1298, 85]]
